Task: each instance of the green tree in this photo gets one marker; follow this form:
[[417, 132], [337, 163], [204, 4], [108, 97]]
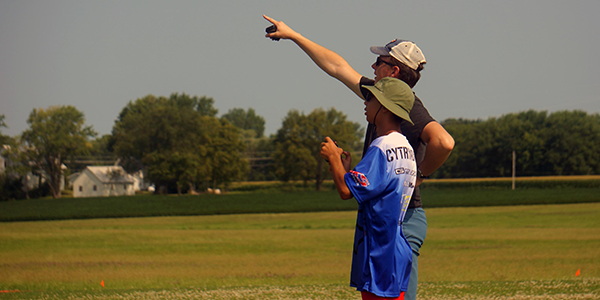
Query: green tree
[[102, 146], [177, 140], [181, 168], [465, 137], [204, 105], [517, 132], [484, 148], [252, 124], [259, 153], [10, 188], [298, 143], [572, 140], [55, 135], [226, 151], [562, 143], [3, 138], [155, 133], [16, 165]]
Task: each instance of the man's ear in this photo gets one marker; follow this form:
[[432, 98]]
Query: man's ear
[[395, 71]]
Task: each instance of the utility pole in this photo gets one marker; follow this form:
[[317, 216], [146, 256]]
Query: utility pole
[[514, 168]]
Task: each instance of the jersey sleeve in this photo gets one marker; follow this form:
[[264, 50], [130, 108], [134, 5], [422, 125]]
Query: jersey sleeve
[[366, 180]]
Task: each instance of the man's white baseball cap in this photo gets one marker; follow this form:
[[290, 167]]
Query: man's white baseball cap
[[405, 51]]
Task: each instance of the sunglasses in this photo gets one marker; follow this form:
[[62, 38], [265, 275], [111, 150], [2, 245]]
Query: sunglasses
[[380, 61]]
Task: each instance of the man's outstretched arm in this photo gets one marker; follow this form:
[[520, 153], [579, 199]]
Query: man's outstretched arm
[[329, 61]]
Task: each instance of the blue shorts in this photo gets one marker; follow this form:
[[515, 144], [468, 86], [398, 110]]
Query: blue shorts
[[414, 227]]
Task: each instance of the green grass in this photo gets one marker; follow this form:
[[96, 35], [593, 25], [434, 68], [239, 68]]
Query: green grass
[[274, 202], [512, 252]]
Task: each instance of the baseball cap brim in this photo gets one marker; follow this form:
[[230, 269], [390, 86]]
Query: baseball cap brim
[[380, 50]]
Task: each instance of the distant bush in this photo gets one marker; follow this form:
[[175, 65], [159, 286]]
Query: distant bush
[[10, 189], [278, 186], [506, 183]]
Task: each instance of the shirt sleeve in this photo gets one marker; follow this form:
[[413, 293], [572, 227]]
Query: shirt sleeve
[[420, 117], [367, 180], [370, 134], [366, 81]]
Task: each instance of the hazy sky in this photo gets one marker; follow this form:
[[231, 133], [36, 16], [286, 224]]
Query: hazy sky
[[484, 58]]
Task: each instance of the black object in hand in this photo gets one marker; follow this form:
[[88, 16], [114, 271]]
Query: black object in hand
[[272, 29]]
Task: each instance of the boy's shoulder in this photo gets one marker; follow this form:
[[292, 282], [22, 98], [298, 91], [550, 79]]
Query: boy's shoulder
[[393, 139], [393, 147]]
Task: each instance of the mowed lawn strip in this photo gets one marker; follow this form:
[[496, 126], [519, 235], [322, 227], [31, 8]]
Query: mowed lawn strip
[[566, 289]]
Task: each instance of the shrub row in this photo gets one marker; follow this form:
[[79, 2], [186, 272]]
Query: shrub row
[[269, 198], [507, 184]]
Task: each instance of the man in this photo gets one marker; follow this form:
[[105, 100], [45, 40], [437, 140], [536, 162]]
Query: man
[[431, 142], [382, 184]]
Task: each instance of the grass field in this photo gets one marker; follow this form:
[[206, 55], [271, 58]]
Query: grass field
[[512, 252]]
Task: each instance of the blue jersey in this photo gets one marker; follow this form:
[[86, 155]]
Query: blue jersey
[[382, 183]]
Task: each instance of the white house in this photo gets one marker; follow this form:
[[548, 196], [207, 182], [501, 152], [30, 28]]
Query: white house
[[139, 184], [103, 181]]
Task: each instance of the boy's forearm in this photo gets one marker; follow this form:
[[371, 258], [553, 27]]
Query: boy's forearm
[[338, 171]]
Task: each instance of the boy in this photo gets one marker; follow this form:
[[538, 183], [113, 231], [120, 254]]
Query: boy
[[382, 184]]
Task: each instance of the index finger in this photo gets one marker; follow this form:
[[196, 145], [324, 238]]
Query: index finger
[[269, 19]]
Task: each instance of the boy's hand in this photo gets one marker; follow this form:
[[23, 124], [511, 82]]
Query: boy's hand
[[347, 161], [330, 150]]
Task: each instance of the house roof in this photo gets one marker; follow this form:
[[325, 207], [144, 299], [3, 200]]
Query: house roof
[[73, 177], [111, 174]]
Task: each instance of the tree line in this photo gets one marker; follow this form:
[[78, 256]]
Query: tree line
[[178, 142], [183, 147], [560, 143]]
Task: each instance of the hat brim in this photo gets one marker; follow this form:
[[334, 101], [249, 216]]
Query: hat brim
[[380, 51], [388, 104]]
